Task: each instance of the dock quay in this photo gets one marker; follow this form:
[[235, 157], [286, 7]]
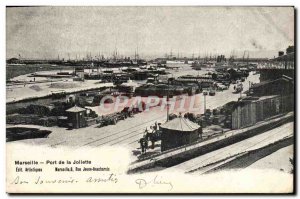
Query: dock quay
[[181, 154], [65, 91], [46, 97]]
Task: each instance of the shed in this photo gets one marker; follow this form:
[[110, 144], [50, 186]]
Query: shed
[[76, 116], [178, 132], [251, 110]]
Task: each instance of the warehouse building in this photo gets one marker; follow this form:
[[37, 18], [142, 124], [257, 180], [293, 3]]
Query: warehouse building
[[284, 64], [281, 86]]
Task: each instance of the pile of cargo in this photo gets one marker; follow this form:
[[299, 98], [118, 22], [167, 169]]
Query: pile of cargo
[[221, 116], [36, 109], [114, 118], [110, 119], [47, 115], [31, 119], [21, 133], [164, 89], [158, 90]]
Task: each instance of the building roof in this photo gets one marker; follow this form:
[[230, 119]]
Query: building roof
[[252, 99], [76, 109], [283, 78], [286, 57], [180, 124]]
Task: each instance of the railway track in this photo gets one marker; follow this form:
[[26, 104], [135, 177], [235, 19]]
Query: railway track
[[205, 162], [132, 134], [111, 138]]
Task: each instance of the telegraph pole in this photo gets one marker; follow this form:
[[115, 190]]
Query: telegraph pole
[[168, 100], [241, 91], [204, 95]]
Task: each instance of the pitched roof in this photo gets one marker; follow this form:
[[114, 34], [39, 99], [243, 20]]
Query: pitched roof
[[180, 124], [289, 56], [282, 78], [76, 109]]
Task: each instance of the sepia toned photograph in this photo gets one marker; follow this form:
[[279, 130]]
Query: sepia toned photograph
[[153, 99]]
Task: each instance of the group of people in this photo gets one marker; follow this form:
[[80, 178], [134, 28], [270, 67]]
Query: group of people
[[151, 135]]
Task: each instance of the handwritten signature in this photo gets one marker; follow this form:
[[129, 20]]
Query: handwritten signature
[[156, 181]]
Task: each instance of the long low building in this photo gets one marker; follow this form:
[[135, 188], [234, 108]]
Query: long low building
[[251, 110], [281, 86]]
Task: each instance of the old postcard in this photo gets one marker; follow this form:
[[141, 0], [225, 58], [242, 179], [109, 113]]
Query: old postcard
[[150, 99]]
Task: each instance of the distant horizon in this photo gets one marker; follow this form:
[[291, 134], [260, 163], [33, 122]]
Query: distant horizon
[[238, 55], [49, 32]]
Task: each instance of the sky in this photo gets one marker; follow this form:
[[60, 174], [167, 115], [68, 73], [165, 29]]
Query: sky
[[49, 32]]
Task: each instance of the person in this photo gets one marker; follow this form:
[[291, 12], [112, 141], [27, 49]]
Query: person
[[144, 141], [146, 132], [144, 144], [152, 136], [200, 131], [155, 126]]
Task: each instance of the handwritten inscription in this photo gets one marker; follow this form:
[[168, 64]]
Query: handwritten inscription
[[156, 181], [110, 178]]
